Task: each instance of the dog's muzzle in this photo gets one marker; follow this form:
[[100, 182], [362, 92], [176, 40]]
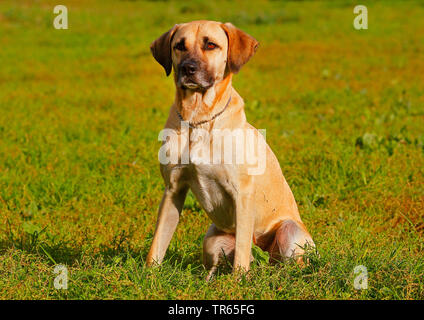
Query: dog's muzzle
[[191, 75]]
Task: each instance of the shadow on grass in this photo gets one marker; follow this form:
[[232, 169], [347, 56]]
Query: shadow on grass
[[56, 251], [185, 257]]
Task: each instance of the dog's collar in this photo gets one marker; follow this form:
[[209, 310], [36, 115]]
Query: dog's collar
[[195, 124]]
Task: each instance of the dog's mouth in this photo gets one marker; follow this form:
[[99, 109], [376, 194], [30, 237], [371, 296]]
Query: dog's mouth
[[190, 84]]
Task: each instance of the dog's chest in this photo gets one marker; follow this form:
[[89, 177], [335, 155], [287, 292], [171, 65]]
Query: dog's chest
[[215, 189]]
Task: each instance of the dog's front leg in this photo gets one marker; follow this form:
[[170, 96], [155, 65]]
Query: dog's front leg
[[168, 217], [244, 233]]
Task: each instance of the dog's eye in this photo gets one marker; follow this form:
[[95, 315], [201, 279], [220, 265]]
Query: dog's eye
[[180, 46], [210, 46]]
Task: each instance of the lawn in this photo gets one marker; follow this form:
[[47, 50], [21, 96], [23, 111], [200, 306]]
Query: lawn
[[80, 114]]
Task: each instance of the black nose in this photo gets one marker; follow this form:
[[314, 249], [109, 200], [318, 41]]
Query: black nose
[[189, 67]]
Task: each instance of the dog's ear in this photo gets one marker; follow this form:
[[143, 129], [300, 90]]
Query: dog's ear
[[161, 49], [241, 47]]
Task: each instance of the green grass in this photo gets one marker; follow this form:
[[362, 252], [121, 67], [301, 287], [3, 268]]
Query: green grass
[[80, 113]]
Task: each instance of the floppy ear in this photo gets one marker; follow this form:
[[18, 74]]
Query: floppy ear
[[161, 49], [241, 47]]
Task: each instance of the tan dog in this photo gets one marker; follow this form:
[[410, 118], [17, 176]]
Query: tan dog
[[243, 207]]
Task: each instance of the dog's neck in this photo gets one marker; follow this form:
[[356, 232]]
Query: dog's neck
[[196, 107]]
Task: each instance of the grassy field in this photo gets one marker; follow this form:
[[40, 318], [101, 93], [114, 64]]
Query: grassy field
[[80, 113]]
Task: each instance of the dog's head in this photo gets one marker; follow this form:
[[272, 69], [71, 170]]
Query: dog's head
[[203, 52]]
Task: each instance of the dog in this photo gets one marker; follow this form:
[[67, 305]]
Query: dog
[[243, 207]]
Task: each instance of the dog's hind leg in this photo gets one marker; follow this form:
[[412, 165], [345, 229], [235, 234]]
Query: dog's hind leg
[[217, 245], [290, 240]]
